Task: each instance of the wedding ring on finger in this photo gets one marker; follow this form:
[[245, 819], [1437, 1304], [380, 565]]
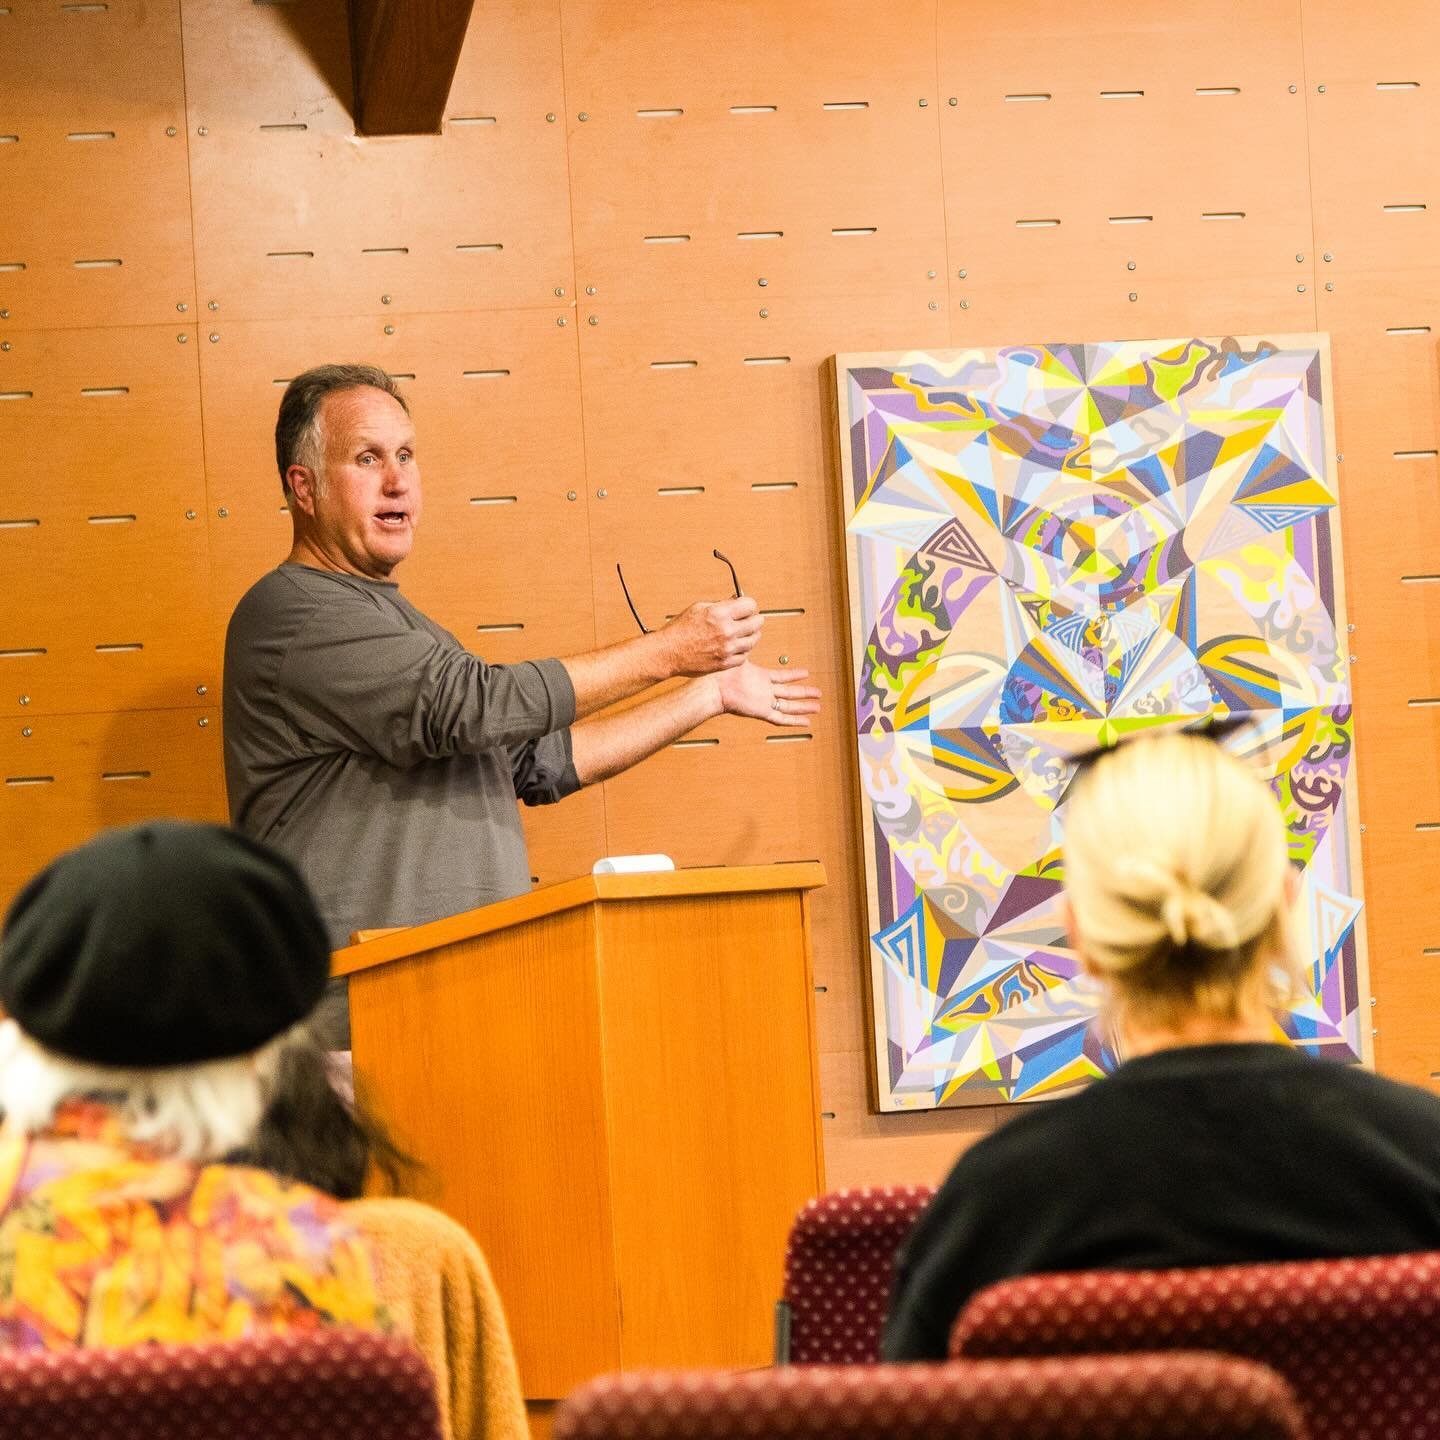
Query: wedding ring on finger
[[775, 703]]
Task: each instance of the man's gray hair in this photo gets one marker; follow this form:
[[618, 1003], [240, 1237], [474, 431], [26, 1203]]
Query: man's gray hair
[[298, 438]]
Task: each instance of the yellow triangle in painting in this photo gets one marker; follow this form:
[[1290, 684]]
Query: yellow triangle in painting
[[1308, 491]]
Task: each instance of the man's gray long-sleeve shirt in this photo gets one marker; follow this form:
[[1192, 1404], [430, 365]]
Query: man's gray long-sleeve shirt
[[367, 744]]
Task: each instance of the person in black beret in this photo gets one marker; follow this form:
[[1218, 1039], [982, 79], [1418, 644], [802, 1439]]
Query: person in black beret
[[151, 978]]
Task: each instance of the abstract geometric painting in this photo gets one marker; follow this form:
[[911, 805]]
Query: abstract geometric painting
[[1051, 548]]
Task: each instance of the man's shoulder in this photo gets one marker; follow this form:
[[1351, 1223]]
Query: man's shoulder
[[290, 594]]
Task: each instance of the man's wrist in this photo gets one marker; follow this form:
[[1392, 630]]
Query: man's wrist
[[714, 696], [658, 657]]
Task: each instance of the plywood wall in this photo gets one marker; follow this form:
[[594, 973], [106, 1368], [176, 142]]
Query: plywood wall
[[614, 278]]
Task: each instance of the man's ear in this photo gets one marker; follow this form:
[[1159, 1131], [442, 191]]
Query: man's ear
[[301, 480]]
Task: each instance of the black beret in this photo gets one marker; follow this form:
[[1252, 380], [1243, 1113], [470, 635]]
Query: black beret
[[163, 944]]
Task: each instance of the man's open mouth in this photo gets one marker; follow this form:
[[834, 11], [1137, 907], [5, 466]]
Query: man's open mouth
[[394, 518]]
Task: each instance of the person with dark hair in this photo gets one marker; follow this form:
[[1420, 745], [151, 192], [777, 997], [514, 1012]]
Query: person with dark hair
[[365, 742], [151, 980]]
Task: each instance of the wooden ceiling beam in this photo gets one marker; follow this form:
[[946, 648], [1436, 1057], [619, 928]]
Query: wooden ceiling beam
[[404, 54]]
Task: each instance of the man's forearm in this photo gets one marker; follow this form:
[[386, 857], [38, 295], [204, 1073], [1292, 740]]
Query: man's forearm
[[702, 639], [602, 677], [604, 747]]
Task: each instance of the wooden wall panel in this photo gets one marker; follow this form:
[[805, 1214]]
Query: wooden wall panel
[[475, 217], [83, 131], [115, 414], [67, 776], [801, 157], [1094, 147]]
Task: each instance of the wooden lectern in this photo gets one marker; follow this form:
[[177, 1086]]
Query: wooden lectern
[[612, 1084]]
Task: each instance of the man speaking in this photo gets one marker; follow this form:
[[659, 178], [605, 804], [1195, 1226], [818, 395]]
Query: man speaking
[[367, 744]]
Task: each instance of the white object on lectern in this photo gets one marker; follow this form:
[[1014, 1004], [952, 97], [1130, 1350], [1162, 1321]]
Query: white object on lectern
[[632, 864]]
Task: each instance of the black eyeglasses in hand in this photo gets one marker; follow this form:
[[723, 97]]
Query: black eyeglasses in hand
[[644, 628]]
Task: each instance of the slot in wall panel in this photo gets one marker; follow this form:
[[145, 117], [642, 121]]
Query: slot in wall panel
[[161, 764], [1107, 135], [507, 435], [295, 214]]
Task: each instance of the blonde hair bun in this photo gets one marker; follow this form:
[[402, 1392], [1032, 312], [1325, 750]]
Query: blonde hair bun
[[1175, 865]]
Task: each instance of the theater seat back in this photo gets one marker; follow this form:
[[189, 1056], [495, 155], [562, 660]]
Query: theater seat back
[[1358, 1340]]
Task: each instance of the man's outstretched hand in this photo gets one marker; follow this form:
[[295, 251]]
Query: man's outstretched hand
[[712, 635], [776, 696]]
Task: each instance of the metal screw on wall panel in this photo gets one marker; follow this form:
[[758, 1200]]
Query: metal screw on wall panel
[[214, 337], [212, 304], [559, 319], [1299, 289], [1339, 456], [594, 320], [584, 116], [559, 292], [784, 659], [549, 117], [384, 299], [389, 329], [571, 495], [934, 304], [1293, 89], [930, 274], [4, 344], [1319, 89], [24, 699], [601, 494], [923, 103], [964, 304], [202, 131], [1372, 999], [1350, 628], [1354, 659], [954, 99], [1129, 264], [589, 289], [962, 273], [181, 306], [182, 337], [762, 282], [1299, 259], [189, 514], [202, 689], [170, 130], [4, 314], [1362, 829], [203, 721], [1329, 284], [764, 314], [1327, 257], [1134, 295], [223, 513], [27, 732]]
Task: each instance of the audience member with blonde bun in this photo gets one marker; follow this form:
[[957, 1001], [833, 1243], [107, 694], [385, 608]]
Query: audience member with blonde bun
[[1215, 1141]]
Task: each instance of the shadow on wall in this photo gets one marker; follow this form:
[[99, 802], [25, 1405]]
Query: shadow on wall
[[322, 33]]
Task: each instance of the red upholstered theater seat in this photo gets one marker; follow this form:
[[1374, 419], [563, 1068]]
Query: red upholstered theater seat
[[839, 1266], [344, 1384], [1358, 1340], [1132, 1397]]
